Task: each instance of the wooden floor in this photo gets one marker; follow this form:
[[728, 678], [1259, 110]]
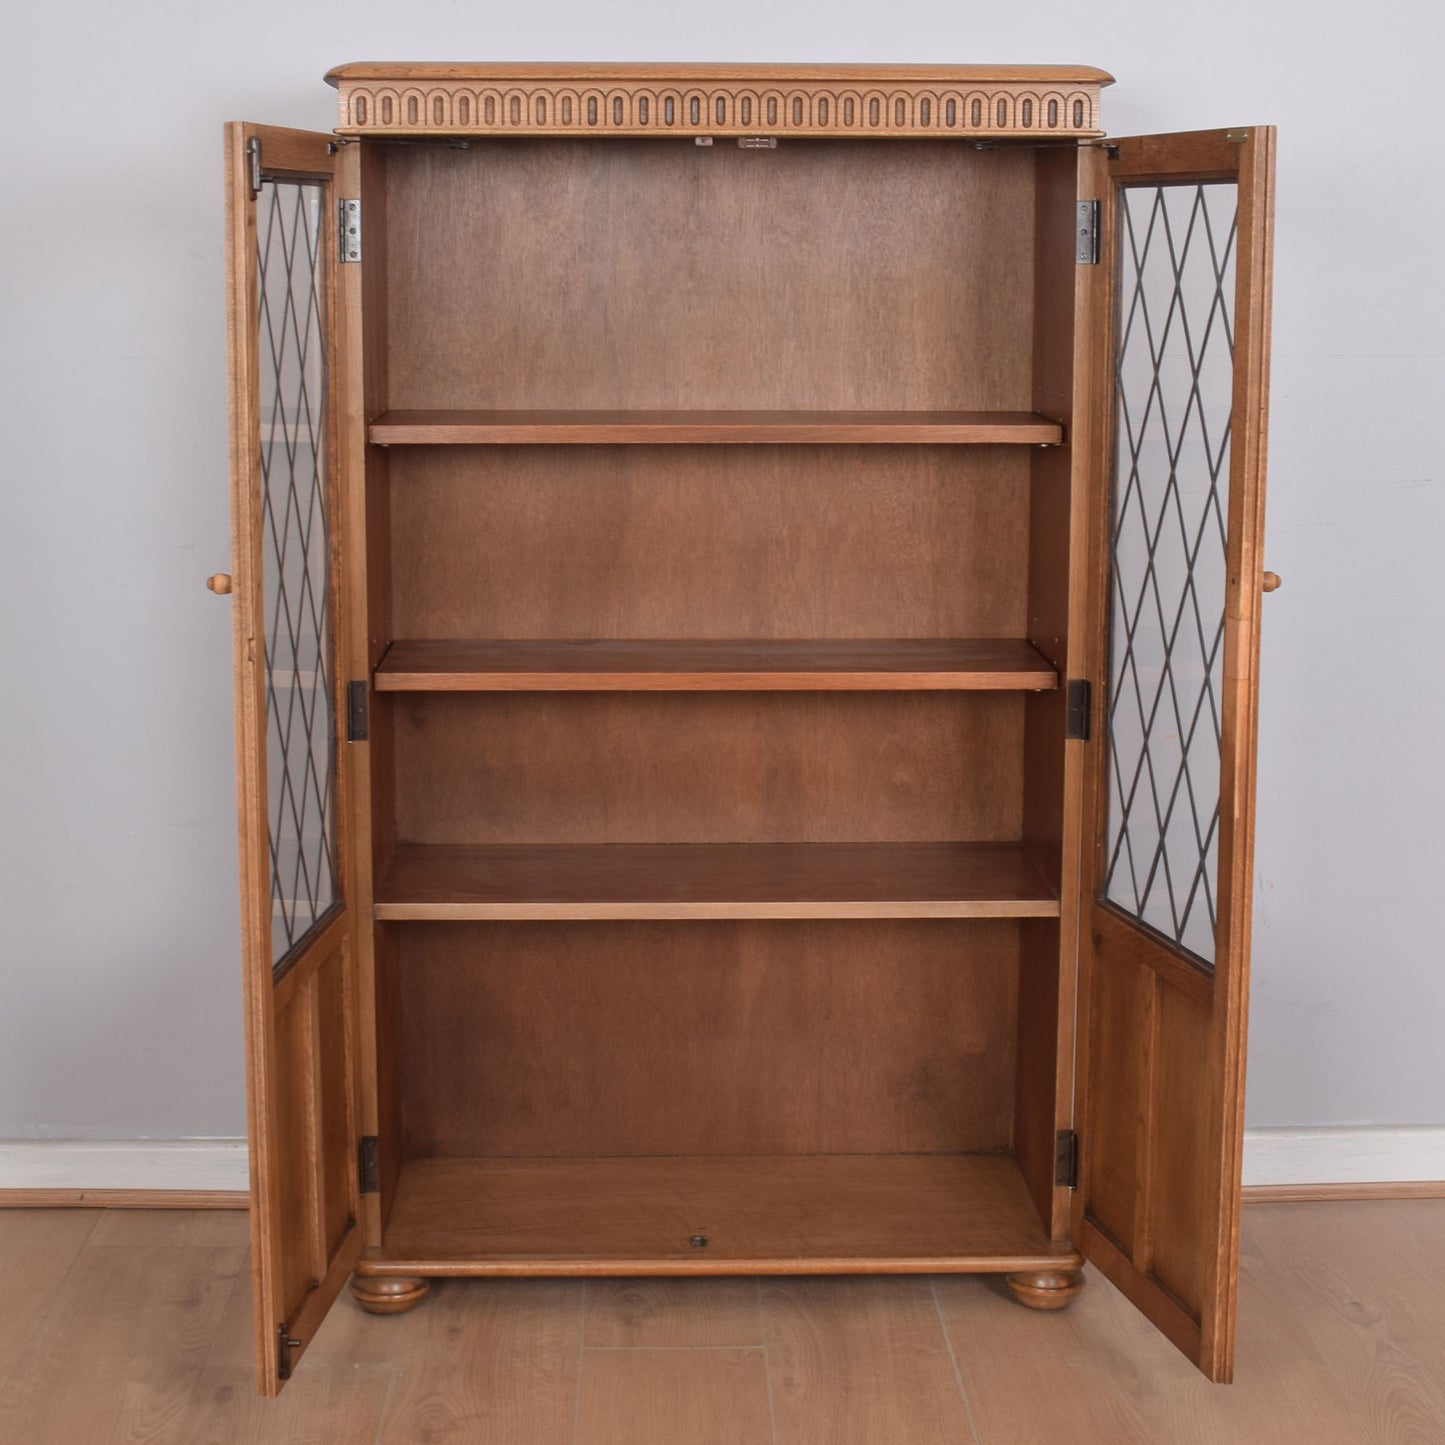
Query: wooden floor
[[135, 1326]]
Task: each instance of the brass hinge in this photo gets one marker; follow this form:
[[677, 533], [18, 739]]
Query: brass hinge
[[1078, 708], [348, 230], [368, 1164], [1086, 233], [1066, 1159], [356, 712]]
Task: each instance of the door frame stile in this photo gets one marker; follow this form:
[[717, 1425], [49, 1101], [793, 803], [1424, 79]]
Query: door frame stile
[[1085, 436], [250, 670], [1092, 461], [349, 417], [1254, 252]]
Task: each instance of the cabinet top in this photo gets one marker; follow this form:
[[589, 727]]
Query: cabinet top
[[886, 101]]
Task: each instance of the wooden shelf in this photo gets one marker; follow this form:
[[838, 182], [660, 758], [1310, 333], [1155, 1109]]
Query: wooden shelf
[[713, 880], [781, 1214], [471, 428], [984, 664]]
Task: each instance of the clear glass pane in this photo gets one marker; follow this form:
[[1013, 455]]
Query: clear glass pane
[[296, 559], [1173, 397]]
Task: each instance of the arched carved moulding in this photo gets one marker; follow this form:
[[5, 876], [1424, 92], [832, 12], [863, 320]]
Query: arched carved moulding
[[869, 102]]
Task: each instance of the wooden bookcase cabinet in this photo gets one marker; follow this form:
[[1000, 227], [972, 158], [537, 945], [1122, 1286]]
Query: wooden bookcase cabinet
[[676, 556]]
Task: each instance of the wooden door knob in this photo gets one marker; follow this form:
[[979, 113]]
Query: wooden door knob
[[219, 583], [1271, 581]]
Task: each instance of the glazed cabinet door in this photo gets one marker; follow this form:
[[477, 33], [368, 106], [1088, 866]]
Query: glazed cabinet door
[[1180, 306], [298, 943]]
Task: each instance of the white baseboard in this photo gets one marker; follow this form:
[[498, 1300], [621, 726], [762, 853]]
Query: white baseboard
[[1374, 1154], [189, 1165]]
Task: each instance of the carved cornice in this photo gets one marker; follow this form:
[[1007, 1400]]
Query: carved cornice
[[419, 100]]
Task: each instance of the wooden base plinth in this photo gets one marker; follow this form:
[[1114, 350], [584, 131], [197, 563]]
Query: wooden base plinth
[[1050, 1289], [389, 1296]]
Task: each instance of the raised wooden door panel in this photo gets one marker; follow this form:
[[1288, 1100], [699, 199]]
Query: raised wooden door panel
[[1182, 323], [293, 770]]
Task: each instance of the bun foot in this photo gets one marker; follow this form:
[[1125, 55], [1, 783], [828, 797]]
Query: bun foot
[[387, 1294], [1046, 1289]]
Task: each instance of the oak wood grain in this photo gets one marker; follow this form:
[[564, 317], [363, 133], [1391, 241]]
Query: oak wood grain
[[422, 70], [419, 427], [1125, 1382], [37, 1249], [822, 1214], [1047, 103], [1174, 1130], [880, 276], [707, 1037], [767, 543], [340, 1405], [900, 664], [136, 1325], [487, 1363], [124, 1199], [719, 880], [673, 1313], [855, 1362], [1338, 1343], [713, 1396], [694, 767]]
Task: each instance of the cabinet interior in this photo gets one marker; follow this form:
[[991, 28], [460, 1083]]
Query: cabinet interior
[[687, 929]]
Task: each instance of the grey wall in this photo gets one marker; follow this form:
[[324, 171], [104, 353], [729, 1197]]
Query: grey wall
[[119, 1000]]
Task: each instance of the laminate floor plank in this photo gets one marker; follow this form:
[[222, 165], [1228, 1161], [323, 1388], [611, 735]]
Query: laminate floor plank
[[857, 1361], [336, 1406], [1365, 1293], [37, 1249], [1011, 1361], [1100, 1372], [171, 1229], [116, 1356], [672, 1313], [1341, 1342], [485, 1362], [674, 1397]]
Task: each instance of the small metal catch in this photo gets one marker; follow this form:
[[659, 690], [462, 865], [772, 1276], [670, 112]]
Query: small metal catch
[[757, 142], [698, 1241]]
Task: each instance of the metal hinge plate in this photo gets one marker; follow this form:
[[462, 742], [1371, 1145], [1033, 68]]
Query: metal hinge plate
[[368, 1164], [253, 165], [284, 1345], [1086, 233], [1066, 1159], [1078, 708], [356, 719], [348, 229]]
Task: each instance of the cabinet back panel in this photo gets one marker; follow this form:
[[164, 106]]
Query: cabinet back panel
[[709, 542], [708, 767], [602, 274], [573, 1039]]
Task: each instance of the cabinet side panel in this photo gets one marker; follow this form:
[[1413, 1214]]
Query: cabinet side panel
[[581, 1039], [1035, 1102], [557, 273], [1051, 775]]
